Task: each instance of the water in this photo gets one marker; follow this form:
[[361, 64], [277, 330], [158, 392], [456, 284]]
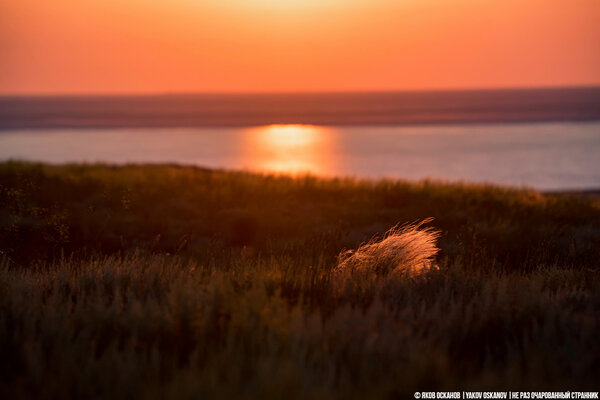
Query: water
[[546, 156]]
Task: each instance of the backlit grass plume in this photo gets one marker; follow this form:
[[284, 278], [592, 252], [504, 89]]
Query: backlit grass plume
[[408, 249]]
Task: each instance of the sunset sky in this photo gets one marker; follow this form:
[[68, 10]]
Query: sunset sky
[[158, 46]]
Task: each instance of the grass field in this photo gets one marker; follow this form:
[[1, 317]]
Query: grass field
[[178, 282]]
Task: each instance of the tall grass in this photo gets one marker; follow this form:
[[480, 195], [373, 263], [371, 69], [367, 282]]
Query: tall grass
[[46, 211], [164, 327], [167, 282]]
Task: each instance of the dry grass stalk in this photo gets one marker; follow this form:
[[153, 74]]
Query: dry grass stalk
[[408, 249]]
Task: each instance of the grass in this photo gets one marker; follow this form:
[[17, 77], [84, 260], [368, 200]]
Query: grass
[[404, 250], [177, 282]]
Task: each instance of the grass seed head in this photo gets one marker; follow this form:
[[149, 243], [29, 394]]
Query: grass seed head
[[408, 249]]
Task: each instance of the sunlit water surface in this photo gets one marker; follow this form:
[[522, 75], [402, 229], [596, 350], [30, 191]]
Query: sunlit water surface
[[547, 156]]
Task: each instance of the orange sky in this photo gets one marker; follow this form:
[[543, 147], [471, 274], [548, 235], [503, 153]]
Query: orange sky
[[150, 46]]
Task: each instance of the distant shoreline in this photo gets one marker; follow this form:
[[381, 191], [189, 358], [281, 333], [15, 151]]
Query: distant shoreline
[[342, 109], [592, 192]]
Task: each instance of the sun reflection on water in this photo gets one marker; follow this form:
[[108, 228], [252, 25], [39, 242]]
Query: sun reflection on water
[[290, 149]]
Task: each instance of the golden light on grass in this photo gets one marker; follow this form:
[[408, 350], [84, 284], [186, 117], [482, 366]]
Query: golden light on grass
[[292, 149], [404, 251]]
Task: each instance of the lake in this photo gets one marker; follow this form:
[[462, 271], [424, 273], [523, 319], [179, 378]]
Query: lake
[[542, 155]]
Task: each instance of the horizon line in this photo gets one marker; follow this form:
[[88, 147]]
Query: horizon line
[[308, 92]]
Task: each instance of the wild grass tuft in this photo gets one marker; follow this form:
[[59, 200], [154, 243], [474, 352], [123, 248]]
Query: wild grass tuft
[[407, 249]]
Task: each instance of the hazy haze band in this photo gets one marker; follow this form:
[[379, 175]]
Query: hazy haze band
[[392, 108]]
